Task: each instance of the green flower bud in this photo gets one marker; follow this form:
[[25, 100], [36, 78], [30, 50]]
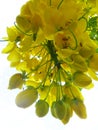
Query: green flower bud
[[81, 79], [79, 63], [68, 113], [86, 51], [26, 98], [58, 109], [53, 112], [42, 108], [79, 108], [16, 81], [23, 23]]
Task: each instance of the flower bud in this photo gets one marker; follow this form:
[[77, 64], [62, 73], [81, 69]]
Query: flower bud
[[81, 79], [23, 23], [58, 109], [79, 63], [79, 108], [86, 51], [16, 81], [26, 98], [68, 113], [42, 108]]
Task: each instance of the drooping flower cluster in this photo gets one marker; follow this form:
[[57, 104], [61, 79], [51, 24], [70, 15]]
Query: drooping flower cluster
[[53, 45]]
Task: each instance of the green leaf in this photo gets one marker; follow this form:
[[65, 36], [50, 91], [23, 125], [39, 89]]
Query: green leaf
[[92, 27], [93, 23]]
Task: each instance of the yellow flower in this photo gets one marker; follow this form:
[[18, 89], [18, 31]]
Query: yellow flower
[[92, 73], [14, 57], [62, 40], [13, 34], [53, 17], [53, 45]]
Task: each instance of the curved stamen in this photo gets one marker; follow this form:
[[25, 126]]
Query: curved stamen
[[76, 42]]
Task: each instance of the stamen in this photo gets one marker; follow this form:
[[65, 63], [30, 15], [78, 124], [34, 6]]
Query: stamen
[[76, 42]]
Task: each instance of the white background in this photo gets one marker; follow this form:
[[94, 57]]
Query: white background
[[14, 118]]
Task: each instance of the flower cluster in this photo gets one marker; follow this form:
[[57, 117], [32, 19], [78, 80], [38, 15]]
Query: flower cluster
[[53, 45]]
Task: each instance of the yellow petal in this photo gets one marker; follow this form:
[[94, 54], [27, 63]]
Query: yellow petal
[[92, 74], [77, 93], [26, 43], [12, 33], [10, 46], [93, 63], [36, 22], [14, 56]]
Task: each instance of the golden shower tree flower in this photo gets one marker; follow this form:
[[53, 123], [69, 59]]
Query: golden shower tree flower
[[54, 46]]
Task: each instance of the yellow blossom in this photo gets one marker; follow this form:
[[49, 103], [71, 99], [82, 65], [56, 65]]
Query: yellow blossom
[[10, 46], [13, 34], [54, 46]]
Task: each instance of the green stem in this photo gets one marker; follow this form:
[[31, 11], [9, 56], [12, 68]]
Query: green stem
[[37, 67], [52, 52], [58, 86], [50, 2], [60, 72], [59, 4], [4, 40], [38, 53], [51, 83], [48, 72], [59, 77], [44, 80]]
